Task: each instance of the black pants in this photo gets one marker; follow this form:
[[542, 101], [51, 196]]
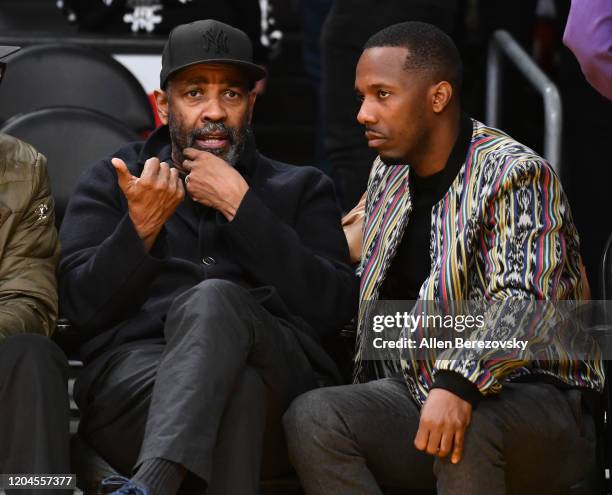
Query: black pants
[[210, 397], [532, 438], [34, 408], [348, 26]]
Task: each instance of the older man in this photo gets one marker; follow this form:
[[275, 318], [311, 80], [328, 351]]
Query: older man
[[33, 370], [455, 211], [204, 278]]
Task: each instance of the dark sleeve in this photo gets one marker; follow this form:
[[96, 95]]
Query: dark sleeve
[[306, 262], [104, 271], [458, 385]]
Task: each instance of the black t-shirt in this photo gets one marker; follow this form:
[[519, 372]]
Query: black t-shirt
[[411, 265]]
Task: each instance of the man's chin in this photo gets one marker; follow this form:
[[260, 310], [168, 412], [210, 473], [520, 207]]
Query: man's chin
[[226, 153], [220, 152], [392, 160]]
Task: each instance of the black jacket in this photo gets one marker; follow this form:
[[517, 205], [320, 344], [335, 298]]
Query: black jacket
[[285, 244]]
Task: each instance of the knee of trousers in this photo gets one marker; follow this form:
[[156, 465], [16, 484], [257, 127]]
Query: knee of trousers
[[31, 353], [482, 448], [312, 417], [209, 294], [208, 300]]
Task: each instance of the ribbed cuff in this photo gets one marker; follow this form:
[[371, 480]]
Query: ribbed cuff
[[458, 385], [160, 476]]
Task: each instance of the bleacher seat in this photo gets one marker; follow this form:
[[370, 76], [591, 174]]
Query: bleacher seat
[[62, 74], [71, 139]]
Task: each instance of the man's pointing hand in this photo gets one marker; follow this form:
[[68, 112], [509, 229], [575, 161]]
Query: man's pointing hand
[[152, 197]]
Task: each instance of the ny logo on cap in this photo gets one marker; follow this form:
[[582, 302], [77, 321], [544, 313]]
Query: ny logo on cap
[[216, 39]]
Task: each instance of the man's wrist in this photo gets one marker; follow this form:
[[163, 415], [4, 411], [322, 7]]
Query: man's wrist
[[147, 234], [458, 385], [230, 208]]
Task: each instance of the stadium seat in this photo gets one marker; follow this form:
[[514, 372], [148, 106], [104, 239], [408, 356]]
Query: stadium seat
[[43, 76], [71, 139]]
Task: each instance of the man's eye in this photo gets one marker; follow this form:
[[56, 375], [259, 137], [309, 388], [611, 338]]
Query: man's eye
[[382, 93], [194, 93], [232, 94]]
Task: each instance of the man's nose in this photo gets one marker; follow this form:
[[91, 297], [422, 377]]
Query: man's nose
[[366, 116], [213, 111]]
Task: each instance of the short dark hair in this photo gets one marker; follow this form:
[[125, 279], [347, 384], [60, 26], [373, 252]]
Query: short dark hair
[[429, 49]]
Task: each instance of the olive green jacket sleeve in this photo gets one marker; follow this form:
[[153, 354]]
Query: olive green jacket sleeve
[[29, 247]]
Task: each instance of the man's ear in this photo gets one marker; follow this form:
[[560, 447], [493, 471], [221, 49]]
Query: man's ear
[[252, 98], [441, 96], [161, 100]]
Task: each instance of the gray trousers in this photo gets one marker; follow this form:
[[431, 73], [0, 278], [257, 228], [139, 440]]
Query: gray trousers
[[532, 438], [211, 397]]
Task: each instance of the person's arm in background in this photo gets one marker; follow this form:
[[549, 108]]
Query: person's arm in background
[[588, 34], [352, 224], [29, 248]]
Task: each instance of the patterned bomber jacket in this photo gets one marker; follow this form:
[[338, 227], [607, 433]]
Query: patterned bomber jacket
[[502, 231]]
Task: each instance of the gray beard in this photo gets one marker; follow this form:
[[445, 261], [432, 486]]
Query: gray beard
[[236, 148], [237, 138]]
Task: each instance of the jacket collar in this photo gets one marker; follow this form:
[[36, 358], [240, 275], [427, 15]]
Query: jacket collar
[[457, 156]]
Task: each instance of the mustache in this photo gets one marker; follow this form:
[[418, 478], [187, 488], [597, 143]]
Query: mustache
[[213, 128]]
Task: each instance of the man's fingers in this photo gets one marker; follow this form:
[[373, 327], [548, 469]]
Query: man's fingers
[[163, 176], [176, 179], [123, 174], [175, 185], [421, 439], [433, 444], [187, 165], [446, 444], [192, 153], [172, 180], [458, 446], [151, 168]]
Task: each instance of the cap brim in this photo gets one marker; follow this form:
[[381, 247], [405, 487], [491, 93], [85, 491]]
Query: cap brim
[[5, 51], [253, 71]]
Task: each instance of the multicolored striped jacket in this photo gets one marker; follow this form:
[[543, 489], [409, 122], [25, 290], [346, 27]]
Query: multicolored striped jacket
[[503, 230]]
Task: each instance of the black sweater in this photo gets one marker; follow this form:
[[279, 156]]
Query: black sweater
[[285, 244]]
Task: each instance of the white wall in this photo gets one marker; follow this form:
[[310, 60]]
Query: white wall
[[145, 67]]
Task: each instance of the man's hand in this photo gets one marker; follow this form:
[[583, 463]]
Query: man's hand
[[152, 197], [444, 419], [214, 182]]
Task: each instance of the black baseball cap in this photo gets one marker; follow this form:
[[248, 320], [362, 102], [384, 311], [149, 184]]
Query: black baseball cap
[[208, 42], [5, 50]]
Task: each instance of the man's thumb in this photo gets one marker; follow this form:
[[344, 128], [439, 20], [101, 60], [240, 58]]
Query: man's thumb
[[123, 174]]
